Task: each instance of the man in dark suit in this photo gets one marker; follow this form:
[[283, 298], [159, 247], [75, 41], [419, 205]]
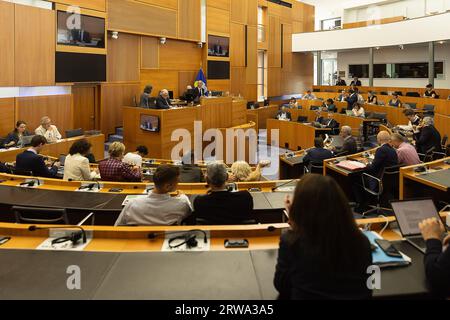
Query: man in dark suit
[[355, 82], [428, 137], [221, 206], [352, 98], [283, 114], [200, 91], [341, 82], [31, 161], [350, 145], [317, 154], [385, 156], [329, 122], [163, 101]]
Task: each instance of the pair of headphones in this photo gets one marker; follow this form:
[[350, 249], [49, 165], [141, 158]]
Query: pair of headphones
[[190, 240], [74, 237]]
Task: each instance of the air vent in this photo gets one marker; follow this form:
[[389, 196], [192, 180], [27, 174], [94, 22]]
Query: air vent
[[282, 3]]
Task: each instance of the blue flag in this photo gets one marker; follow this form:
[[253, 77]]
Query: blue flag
[[200, 76]]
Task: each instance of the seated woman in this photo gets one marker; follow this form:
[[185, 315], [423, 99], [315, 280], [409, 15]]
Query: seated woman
[[324, 255], [113, 169], [76, 165], [372, 98], [242, 172], [395, 101], [14, 139], [293, 104], [358, 110]]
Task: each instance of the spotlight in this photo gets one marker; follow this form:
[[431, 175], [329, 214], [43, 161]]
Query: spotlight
[[401, 47], [162, 40], [115, 35], [200, 44]]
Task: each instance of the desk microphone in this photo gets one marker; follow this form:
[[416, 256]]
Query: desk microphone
[[74, 237], [282, 185]]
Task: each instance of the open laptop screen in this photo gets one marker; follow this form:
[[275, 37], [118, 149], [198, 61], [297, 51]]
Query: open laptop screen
[[410, 213]]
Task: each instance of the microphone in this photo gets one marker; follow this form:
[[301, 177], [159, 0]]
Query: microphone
[[284, 184], [82, 231], [154, 235]]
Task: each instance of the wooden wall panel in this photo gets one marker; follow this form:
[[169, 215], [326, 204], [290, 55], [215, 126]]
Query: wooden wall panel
[[99, 5], [189, 19], [274, 52], [84, 106], [135, 17], [220, 4], [287, 48], [297, 27], [219, 85], [252, 12], [113, 98], [239, 11], [6, 44], [185, 78], [123, 58], [297, 11], [58, 108], [237, 45], [149, 53], [180, 55], [252, 55], [160, 79], [7, 119], [172, 4], [309, 18], [218, 21], [274, 82], [238, 81], [34, 46]]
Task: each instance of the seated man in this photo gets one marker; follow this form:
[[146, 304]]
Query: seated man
[[293, 104], [163, 101], [318, 118], [114, 169], [437, 257], [283, 114], [385, 156], [341, 82], [352, 98], [430, 93], [350, 145], [329, 106], [329, 122], [200, 91], [356, 82], [342, 96], [221, 206], [317, 154], [31, 161], [135, 158], [414, 121], [309, 96], [406, 153], [159, 208], [428, 137], [48, 130]]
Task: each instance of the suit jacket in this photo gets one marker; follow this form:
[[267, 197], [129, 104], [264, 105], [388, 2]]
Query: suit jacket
[[357, 83], [349, 146], [29, 161], [145, 101], [162, 103], [316, 156], [288, 115], [351, 100], [437, 268], [341, 83], [385, 157], [200, 92], [429, 137], [330, 123]]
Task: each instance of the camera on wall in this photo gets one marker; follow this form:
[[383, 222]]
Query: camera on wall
[[162, 40], [115, 35], [200, 45]]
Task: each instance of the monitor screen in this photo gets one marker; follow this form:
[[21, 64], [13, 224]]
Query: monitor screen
[[218, 46], [80, 67], [87, 32], [149, 123], [218, 70], [410, 213]]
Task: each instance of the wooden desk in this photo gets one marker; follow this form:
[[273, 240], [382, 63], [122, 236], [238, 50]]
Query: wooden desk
[[442, 124], [413, 184], [292, 167], [213, 112], [61, 147], [260, 116], [293, 135]]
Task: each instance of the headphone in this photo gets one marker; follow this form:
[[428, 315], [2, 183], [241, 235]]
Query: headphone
[[74, 237], [189, 238]]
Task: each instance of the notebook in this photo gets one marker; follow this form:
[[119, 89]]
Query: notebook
[[380, 258]]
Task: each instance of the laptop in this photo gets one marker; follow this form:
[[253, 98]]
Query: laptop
[[26, 140], [349, 112], [409, 214]]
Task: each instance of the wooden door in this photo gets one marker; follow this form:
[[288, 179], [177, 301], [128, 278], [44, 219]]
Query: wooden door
[[84, 106]]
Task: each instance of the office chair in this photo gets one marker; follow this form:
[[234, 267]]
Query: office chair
[[399, 93], [313, 168], [444, 141], [413, 94], [74, 133], [383, 187], [302, 119], [207, 222], [313, 108], [33, 215], [428, 110], [410, 105], [427, 156], [2, 142], [19, 172], [316, 90], [384, 93]]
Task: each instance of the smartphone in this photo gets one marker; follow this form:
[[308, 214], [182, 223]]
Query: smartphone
[[236, 243], [388, 248]]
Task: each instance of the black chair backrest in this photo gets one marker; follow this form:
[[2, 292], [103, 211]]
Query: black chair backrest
[[316, 90], [399, 93], [413, 94], [20, 172], [444, 140], [428, 107], [2, 142], [384, 93], [207, 222], [33, 215], [391, 183], [314, 108], [74, 133], [302, 119]]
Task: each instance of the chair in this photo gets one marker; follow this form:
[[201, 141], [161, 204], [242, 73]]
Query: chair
[[427, 156], [314, 168], [428, 110], [34, 215], [444, 141], [312, 108], [399, 93], [74, 133], [384, 93], [410, 105], [207, 222], [22, 172], [316, 90], [302, 119], [2, 142], [413, 94], [384, 189]]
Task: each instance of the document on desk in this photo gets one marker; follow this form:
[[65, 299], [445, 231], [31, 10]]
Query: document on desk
[[173, 245], [65, 246]]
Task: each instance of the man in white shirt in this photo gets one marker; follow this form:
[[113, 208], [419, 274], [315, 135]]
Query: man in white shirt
[[48, 130], [309, 96], [135, 158], [159, 208]]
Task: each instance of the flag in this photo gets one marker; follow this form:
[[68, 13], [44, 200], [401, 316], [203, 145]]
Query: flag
[[200, 76]]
